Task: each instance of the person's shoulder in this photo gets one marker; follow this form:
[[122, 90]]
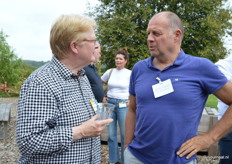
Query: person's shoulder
[[107, 72], [142, 62], [86, 67], [41, 71], [201, 64], [197, 59], [225, 65], [141, 66], [110, 70], [225, 61], [42, 74], [145, 60], [127, 70]]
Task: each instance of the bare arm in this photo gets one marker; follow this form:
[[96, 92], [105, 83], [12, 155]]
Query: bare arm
[[130, 121], [103, 82], [221, 128]]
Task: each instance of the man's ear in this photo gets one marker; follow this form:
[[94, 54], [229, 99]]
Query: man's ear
[[178, 35], [74, 47]]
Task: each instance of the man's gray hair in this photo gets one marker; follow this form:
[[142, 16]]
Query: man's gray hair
[[174, 21]]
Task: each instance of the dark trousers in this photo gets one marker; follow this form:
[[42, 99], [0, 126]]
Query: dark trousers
[[225, 148]]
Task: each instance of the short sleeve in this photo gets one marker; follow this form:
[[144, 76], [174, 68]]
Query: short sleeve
[[105, 76], [211, 77], [132, 82]]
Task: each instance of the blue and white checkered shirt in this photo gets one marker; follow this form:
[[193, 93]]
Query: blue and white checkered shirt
[[52, 101]]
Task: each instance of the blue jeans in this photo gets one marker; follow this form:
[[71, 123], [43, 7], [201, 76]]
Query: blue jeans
[[130, 158], [119, 115], [225, 148]]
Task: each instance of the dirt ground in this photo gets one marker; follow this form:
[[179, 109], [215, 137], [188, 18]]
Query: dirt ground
[[9, 153]]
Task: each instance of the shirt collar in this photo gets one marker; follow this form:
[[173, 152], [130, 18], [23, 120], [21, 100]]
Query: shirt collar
[[179, 60], [64, 71], [92, 65]]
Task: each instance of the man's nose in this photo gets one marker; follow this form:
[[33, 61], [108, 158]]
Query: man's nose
[[150, 38]]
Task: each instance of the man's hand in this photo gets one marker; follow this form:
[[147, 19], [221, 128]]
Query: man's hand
[[193, 145], [90, 128], [127, 103], [105, 99]]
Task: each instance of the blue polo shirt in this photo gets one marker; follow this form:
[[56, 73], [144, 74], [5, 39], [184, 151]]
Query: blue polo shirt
[[164, 123]]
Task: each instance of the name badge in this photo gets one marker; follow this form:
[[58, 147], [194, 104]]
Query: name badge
[[122, 104], [162, 88], [93, 103]]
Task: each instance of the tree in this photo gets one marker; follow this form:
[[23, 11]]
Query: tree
[[123, 24], [10, 64]]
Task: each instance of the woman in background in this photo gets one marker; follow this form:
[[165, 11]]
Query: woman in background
[[117, 80]]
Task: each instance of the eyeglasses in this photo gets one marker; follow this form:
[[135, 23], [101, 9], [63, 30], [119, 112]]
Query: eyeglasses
[[93, 40]]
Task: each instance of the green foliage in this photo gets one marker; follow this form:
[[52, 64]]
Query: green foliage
[[14, 90], [10, 64], [206, 22], [124, 23], [12, 69], [212, 101]]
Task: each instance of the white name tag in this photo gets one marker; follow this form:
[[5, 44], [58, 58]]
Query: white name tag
[[93, 103], [122, 104], [162, 88]]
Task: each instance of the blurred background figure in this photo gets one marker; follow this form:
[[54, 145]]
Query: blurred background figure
[[93, 76], [225, 144], [118, 92]]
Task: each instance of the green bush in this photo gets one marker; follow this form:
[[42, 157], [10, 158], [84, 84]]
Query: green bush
[[212, 101]]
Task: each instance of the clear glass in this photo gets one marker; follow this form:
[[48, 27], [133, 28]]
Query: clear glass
[[104, 110]]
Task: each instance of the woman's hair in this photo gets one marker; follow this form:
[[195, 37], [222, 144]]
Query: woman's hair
[[66, 29], [124, 52]]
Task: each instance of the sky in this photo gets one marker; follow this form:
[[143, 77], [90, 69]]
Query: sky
[[28, 22]]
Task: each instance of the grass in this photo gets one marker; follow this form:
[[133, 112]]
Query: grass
[[212, 101]]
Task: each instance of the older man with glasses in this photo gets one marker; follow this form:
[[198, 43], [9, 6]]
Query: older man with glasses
[[56, 120]]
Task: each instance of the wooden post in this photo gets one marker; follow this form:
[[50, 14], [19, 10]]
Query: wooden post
[[4, 120], [5, 87]]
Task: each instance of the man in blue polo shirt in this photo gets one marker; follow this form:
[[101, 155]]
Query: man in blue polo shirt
[[168, 92]]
